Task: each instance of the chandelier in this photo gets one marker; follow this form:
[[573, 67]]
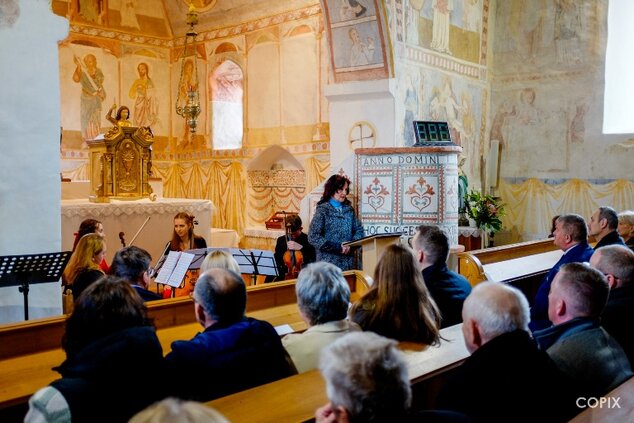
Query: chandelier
[[187, 100]]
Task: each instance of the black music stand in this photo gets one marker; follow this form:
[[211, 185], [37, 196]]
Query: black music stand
[[255, 262], [27, 269]]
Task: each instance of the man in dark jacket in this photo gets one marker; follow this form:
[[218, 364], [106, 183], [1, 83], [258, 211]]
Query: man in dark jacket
[[603, 226], [616, 262], [132, 264], [447, 288], [234, 352], [571, 236], [506, 378]]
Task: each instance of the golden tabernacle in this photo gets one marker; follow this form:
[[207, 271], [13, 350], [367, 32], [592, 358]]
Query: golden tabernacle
[[121, 164]]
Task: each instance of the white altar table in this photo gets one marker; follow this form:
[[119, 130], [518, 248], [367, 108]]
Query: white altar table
[[128, 216]]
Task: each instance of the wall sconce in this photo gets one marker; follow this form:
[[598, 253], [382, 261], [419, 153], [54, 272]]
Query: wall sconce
[[187, 100]]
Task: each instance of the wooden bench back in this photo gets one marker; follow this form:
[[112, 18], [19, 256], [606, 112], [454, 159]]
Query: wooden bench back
[[297, 397], [471, 264], [43, 334]]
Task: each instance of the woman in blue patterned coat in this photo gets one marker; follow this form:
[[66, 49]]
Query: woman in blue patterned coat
[[334, 223]]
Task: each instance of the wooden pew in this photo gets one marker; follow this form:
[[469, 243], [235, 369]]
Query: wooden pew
[[522, 265], [473, 264], [618, 406], [296, 398], [43, 334], [29, 367]]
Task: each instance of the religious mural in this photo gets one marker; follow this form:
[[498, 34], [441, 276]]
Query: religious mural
[[452, 27], [356, 39]]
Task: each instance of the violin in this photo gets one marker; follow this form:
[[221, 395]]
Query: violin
[[293, 259], [121, 238]]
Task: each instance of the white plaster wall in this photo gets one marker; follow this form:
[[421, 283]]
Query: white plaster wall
[[352, 102], [29, 149]]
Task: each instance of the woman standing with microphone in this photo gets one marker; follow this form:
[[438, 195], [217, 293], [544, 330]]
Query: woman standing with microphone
[[334, 223]]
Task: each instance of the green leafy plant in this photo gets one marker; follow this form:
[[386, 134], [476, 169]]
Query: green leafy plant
[[485, 210]]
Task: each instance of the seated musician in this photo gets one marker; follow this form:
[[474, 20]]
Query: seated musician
[[234, 352], [184, 238], [295, 242]]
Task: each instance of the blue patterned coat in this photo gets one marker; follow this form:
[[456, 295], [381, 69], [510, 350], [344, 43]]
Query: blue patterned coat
[[329, 228]]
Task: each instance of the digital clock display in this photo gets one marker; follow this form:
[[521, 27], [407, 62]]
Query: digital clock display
[[431, 132]]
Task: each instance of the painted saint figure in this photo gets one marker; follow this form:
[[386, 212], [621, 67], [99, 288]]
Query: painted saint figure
[[440, 25], [360, 53], [92, 95], [146, 105]]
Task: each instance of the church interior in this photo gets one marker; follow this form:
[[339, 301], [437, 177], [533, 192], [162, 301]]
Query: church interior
[[287, 91], [283, 107]]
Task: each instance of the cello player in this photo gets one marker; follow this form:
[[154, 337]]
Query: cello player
[[294, 240]]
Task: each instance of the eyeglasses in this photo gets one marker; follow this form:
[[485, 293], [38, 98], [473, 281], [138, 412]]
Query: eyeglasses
[[150, 271]]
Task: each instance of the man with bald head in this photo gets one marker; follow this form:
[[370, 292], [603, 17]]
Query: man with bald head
[[506, 375], [234, 352], [616, 262]]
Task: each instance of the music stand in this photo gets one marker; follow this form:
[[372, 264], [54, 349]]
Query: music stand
[[255, 262], [27, 269]]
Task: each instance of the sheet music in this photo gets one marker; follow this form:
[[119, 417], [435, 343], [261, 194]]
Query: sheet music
[[168, 267], [181, 268], [174, 268]]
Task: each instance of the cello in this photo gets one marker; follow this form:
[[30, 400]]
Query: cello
[[293, 259]]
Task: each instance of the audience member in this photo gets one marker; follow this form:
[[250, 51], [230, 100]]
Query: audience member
[[367, 381], [132, 264], [233, 352], [447, 288], [571, 236], [114, 360], [221, 259], [577, 343], [553, 226], [91, 226], [296, 243], [173, 410], [506, 378], [602, 227], [83, 267], [323, 297], [617, 264], [398, 304], [626, 227]]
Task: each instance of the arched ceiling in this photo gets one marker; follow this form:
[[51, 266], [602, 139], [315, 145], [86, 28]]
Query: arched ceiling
[[166, 18]]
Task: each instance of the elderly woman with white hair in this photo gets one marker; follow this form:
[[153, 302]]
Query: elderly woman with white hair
[[367, 381], [323, 296]]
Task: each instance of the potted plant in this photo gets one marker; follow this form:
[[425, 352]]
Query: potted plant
[[486, 211]]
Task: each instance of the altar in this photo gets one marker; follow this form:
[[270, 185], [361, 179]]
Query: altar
[[128, 217]]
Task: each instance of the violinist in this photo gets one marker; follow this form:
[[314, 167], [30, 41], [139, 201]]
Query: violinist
[[293, 249]]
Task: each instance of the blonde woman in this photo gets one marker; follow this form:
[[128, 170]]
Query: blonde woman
[[626, 227], [83, 266], [221, 259]]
